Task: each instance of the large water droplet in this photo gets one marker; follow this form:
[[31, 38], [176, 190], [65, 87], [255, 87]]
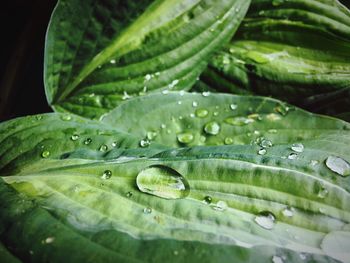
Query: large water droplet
[[338, 165], [45, 154], [297, 147], [212, 128], [185, 137], [238, 121], [336, 245], [202, 113], [265, 219], [163, 182]]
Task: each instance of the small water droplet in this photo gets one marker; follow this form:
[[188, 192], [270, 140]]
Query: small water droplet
[[303, 256], [74, 137], [220, 206], [163, 126], [273, 117], [151, 135], [262, 151], [322, 191], [212, 128], [49, 240], [106, 174], [288, 212], [148, 77], [45, 154], [266, 143], [103, 148], [293, 156], [277, 259], [297, 147], [338, 165], [195, 104], [179, 102], [205, 93], [207, 200], [112, 61], [114, 144], [228, 141], [162, 181], [147, 210], [87, 141], [238, 121], [233, 106], [185, 137], [266, 220], [282, 109], [202, 113], [273, 131], [129, 194], [144, 143], [66, 117]]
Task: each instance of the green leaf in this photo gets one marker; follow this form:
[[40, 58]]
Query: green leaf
[[186, 119], [99, 53], [103, 205], [291, 50]]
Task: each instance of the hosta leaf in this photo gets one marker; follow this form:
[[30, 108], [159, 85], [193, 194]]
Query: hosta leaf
[[291, 50], [185, 119], [101, 52], [280, 192]]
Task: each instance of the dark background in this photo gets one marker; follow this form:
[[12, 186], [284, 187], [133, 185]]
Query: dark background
[[23, 27]]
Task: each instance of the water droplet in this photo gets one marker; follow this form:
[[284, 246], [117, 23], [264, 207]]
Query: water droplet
[[265, 143], [255, 116], [112, 61], [277, 259], [216, 113], [163, 182], [185, 137], [303, 256], [106, 174], [103, 148], [126, 96], [265, 219], [314, 162], [179, 102], [151, 135], [45, 154], [129, 194], [233, 106], [293, 156], [195, 104], [288, 212], [212, 128], [220, 206], [74, 137], [282, 109], [205, 93], [49, 240], [202, 113], [273, 117], [262, 151], [114, 144], [66, 117], [322, 191], [148, 77], [338, 165], [147, 210], [228, 141], [336, 245], [238, 121], [272, 131], [297, 147], [144, 143], [207, 200], [165, 92], [163, 126], [87, 141]]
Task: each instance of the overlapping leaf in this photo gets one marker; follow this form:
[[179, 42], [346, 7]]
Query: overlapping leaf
[[290, 50], [91, 199], [101, 52]]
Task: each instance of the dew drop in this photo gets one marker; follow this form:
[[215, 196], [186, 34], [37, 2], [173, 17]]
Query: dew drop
[[322, 191], [148, 77], [147, 210], [162, 181], [302, 256], [185, 137], [220, 206], [338, 165], [266, 220], [45, 154], [205, 93], [74, 137], [212, 128], [114, 144], [293, 156], [49, 240], [106, 174], [314, 162], [282, 109], [103, 148], [112, 61], [144, 143], [87, 141], [233, 106], [207, 200], [288, 212], [238, 121], [66, 117], [202, 113], [129, 194], [297, 147], [228, 141], [151, 135], [195, 104], [265, 143], [262, 151]]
